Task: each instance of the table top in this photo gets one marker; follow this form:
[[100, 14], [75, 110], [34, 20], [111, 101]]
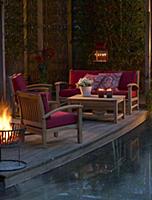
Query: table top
[[96, 98]]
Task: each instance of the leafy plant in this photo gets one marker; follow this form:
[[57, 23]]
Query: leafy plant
[[42, 58], [84, 82]]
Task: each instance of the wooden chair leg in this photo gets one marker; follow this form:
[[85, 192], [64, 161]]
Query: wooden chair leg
[[44, 138]]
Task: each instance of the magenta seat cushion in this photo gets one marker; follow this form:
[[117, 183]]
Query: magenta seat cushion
[[124, 92], [60, 119], [126, 78], [19, 82], [69, 92]]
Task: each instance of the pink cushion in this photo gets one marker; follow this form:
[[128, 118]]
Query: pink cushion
[[69, 92], [60, 119], [19, 82], [75, 75], [45, 102], [90, 76], [110, 80], [47, 94], [124, 92], [126, 78]]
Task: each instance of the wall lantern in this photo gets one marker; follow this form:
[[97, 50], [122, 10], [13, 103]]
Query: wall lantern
[[100, 53]]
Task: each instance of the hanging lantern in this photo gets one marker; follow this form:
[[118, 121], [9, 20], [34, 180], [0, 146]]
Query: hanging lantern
[[101, 56], [101, 52]]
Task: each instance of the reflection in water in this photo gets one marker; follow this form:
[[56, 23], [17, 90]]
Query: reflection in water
[[119, 170]]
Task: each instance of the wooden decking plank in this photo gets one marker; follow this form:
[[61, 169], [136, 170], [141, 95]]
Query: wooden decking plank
[[65, 148]]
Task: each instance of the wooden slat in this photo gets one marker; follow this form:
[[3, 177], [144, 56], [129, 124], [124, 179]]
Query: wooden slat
[[64, 148]]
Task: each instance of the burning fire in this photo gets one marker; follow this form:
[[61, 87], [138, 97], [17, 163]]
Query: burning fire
[[5, 116]]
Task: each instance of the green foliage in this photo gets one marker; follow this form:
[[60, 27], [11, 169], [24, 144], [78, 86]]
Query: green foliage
[[118, 23], [13, 31]]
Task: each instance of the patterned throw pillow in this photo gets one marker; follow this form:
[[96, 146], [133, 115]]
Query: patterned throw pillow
[[97, 81], [110, 80]]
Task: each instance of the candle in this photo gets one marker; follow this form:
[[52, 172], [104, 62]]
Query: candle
[[101, 92], [109, 93]]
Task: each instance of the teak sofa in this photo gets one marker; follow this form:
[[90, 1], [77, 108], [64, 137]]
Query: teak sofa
[[123, 83]]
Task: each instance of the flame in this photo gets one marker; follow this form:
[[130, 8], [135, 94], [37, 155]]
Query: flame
[[101, 89], [5, 116]]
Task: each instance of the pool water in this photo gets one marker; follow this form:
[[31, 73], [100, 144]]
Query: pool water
[[121, 170]]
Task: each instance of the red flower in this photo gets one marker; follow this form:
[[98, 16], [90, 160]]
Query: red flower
[[44, 55], [39, 58]]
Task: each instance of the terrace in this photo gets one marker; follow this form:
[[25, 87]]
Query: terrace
[[64, 149], [91, 54]]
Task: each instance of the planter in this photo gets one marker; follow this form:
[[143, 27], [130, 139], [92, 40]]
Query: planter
[[86, 91]]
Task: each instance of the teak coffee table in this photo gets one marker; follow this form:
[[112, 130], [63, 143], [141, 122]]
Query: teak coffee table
[[110, 109]]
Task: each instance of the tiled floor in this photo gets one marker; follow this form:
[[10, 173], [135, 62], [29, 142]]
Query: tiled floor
[[119, 171]]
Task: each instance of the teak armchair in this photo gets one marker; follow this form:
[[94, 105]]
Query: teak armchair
[[18, 83], [37, 117]]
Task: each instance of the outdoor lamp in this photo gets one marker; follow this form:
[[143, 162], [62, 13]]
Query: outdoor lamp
[[101, 56], [101, 52]]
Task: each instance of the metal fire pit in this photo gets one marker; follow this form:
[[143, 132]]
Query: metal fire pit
[[11, 139]]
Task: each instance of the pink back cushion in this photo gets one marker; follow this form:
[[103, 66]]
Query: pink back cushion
[[45, 102], [126, 78], [75, 75], [18, 82]]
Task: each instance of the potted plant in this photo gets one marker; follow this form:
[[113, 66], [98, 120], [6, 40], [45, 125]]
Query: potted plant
[[43, 57], [85, 86]]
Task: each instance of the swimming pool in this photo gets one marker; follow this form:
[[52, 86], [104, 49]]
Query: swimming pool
[[119, 170]]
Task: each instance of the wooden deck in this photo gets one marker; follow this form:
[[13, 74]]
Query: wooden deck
[[65, 148]]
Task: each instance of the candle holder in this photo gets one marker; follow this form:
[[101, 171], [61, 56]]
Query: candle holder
[[101, 93], [109, 93]]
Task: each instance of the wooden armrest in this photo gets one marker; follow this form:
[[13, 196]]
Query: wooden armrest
[[52, 102], [62, 108], [39, 85], [38, 89], [60, 83], [133, 85]]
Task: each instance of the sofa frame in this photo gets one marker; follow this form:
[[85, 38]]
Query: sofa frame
[[132, 102]]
